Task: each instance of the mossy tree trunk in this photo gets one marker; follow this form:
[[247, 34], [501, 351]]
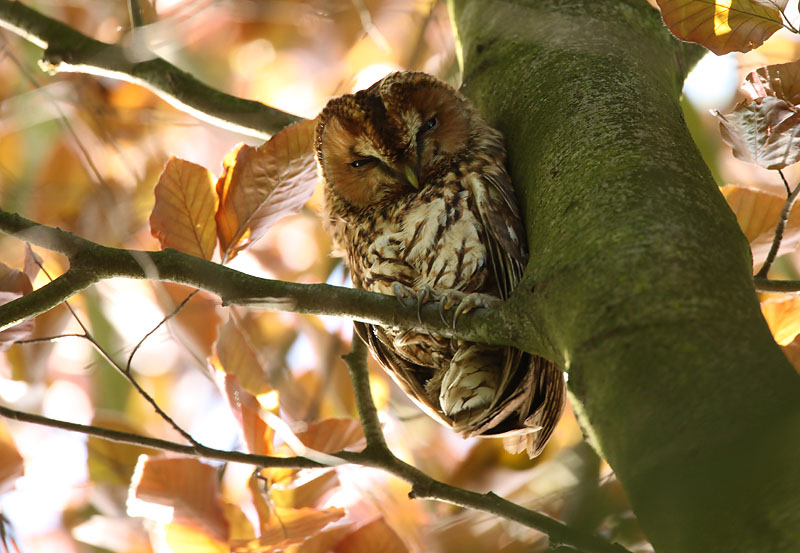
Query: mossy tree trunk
[[640, 282]]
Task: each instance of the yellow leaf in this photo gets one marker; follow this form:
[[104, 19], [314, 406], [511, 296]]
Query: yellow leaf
[[375, 536], [722, 26], [113, 462], [183, 215], [782, 314], [187, 539], [289, 527], [260, 185]]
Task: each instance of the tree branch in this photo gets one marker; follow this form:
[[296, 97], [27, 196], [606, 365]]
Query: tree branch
[[91, 263], [67, 50], [767, 285]]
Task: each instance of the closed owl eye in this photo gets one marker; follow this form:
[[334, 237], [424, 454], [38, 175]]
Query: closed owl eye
[[428, 125], [362, 162]]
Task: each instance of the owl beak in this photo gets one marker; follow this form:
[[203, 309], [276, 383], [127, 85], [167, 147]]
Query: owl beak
[[411, 177]]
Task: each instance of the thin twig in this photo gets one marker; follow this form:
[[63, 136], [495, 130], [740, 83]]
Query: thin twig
[[784, 217], [767, 285]]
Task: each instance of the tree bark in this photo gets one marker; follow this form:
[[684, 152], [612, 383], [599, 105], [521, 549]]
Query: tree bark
[[640, 280]]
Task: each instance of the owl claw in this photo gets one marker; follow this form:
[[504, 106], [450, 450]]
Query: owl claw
[[422, 296], [464, 303]]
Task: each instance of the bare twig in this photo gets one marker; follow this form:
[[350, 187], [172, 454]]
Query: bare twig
[[784, 217], [67, 50]]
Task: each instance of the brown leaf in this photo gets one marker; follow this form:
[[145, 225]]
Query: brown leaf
[[375, 536], [12, 465], [782, 314], [197, 322], [757, 213], [763, 131], [183, 215], [186, 486], [781, 81], [260, 185], [191, 539], [238, 356], [14, 284], [289, 527], [722, 27], [779, 5]]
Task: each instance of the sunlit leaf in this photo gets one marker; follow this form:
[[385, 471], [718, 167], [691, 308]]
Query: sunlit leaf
[[288, 527], [113, 462], [182, 490], [722, 26], [375, 536], [117, 534], [183, 215], [14, 284], [782, 314], [260, 185], [238, 356], [198, 320], [332, 435], [190, 539], [12, 465], [781, 81], [246, 408], [763, 131], [322, 542], [240, 526], [757, 212], [304, 492]]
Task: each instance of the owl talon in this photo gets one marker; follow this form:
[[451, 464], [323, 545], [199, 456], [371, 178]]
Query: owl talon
[[422, 296], [464, 303]]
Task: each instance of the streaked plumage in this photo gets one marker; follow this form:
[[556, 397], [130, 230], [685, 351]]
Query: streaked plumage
[[417, 197]]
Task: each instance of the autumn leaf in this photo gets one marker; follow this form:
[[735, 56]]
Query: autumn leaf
[[289, 527], [332, 435], [14, 284], [757, 212], [260, 185], [781, 81], [12, 465], [182, 490], [763, 131], [113, 462], [246, 408], [198, 320], [722, 27], [183, 215], [375, 536], [782, 314], [238, 356]]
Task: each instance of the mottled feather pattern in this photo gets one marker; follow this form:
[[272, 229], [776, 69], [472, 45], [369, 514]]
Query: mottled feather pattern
[[417, 194]]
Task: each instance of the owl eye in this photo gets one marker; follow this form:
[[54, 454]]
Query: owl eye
[[428, 125], [362, 162]]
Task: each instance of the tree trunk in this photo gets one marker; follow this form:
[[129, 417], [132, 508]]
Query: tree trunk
[[640, 280]]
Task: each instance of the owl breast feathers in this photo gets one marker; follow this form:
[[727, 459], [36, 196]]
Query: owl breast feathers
[[418, 198]]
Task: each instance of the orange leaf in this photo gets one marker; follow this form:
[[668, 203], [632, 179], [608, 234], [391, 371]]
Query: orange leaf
[[14, 284], [246, 408], [375, 536], [782, 314], [260, 185], [239, 357], [302, 492], [183, 215], [722, 27], [332, 435], [12, 465], [289, 527], [189, 539], [197, 322], [181, 490], [757, 213]]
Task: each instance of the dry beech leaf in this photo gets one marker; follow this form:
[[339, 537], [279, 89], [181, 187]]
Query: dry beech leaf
[[323, 542], [722, 27], [183, 215], [12, 465], [14, 284], [189, 539], [763, 131], [779, 5], [781, 81], [113, 462], [302, 492], [246, 408], [375, 536], [332, 435], [197, 323], [260, 185], [792, 353], [757, 213], [180, 490], [782, 314], [238, 357], [289, 527]]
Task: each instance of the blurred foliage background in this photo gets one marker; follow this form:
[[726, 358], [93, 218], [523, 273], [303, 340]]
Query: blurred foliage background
[[84, 154]]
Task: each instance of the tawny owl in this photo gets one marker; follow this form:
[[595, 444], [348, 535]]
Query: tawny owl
[[418, 199]]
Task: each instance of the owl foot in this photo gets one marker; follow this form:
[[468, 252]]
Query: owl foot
[[421, 296], [464, 303]]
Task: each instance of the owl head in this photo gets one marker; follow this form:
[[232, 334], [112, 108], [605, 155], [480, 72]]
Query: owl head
[[386, 141]]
